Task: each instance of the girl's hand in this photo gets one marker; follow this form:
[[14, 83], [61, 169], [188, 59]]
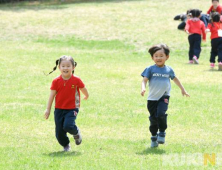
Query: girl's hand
[[185, 93], [143, 92], [47, 113], [187, 32], [86, 97]]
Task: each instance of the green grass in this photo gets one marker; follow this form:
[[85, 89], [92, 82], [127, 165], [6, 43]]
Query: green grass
[[109, 40]]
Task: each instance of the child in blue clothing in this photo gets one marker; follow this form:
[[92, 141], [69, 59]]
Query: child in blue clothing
[[159, 76]]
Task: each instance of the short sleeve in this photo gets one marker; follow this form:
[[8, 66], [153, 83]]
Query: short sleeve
[[209, 26], [172, 74], [53, 85], [146, 73], [80, 83]]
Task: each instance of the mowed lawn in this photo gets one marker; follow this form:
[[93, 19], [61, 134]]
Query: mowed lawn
[[109, 40]]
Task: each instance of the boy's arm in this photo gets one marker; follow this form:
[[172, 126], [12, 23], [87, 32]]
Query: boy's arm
[[50, 101], [177, 82], [85, 93], [143, 86], [208, 12]]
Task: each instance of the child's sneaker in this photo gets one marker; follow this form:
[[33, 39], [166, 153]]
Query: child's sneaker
[[78, 138], [212, 65], [67, 148], [161, 138], [154, 142], [220, 66], [190, 62], [177, 17], [195, 60]]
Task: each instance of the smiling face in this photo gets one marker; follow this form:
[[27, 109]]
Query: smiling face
[[159, 57], [66, 69]]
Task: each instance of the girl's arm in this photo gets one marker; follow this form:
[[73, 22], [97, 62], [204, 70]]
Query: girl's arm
[[143, 86], [187, 27], [177, 82], [85, 92], [203, 32], [50, 101]]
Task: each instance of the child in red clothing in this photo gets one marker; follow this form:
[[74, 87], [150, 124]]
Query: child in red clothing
[[195, 28], [215, 7], [66, 91], [216, 40]]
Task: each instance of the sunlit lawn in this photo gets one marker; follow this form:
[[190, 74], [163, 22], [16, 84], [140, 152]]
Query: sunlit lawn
[[109, 40]]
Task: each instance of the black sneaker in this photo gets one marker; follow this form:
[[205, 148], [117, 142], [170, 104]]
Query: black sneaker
[[177, 17]]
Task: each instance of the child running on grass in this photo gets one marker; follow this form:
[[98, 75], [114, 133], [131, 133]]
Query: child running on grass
[[159, 76], [66, 91], [194, 28], [216, 40]]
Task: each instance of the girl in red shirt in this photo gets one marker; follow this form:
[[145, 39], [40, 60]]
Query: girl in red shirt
[[216, 40], [195, 28], [66, 91]]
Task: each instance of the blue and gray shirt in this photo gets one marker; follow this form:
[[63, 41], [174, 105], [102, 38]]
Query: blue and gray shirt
[[159, 81]]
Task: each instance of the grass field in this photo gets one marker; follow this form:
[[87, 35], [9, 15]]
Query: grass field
[[109, 40]]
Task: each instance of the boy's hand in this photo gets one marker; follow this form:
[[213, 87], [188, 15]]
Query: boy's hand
[[185, 93], [142, 92], [47, 113]]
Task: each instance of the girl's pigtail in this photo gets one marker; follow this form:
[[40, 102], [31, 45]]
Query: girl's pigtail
[[75, 64], [57, 62]]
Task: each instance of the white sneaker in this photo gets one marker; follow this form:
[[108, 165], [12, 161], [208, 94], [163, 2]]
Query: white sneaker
[[154, 142], [78, 138], [195, 60], [161, 138], [67, 148]]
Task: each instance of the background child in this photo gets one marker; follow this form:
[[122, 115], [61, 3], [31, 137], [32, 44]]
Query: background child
[[159, 76], [215, 7], [185, 17], [195, 27], [216, 40], [66, 91]]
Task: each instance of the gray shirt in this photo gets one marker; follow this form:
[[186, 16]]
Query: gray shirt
[[159, 81]]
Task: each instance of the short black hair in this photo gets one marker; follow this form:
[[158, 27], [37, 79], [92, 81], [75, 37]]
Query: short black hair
[[195, 12], [215, 0], [215, 17], [158, 47]]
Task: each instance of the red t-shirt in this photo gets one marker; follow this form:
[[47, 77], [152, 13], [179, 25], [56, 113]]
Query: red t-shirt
[[68, 94], [196, 27], [214, 27], [218, 9]]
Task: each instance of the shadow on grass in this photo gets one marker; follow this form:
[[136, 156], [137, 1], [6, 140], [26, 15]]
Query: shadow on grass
[[213, 70], [51, 4], [152, 151], [63, 154]]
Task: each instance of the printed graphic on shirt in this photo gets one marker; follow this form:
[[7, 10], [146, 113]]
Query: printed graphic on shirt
[[73, 87], [161, 75]]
